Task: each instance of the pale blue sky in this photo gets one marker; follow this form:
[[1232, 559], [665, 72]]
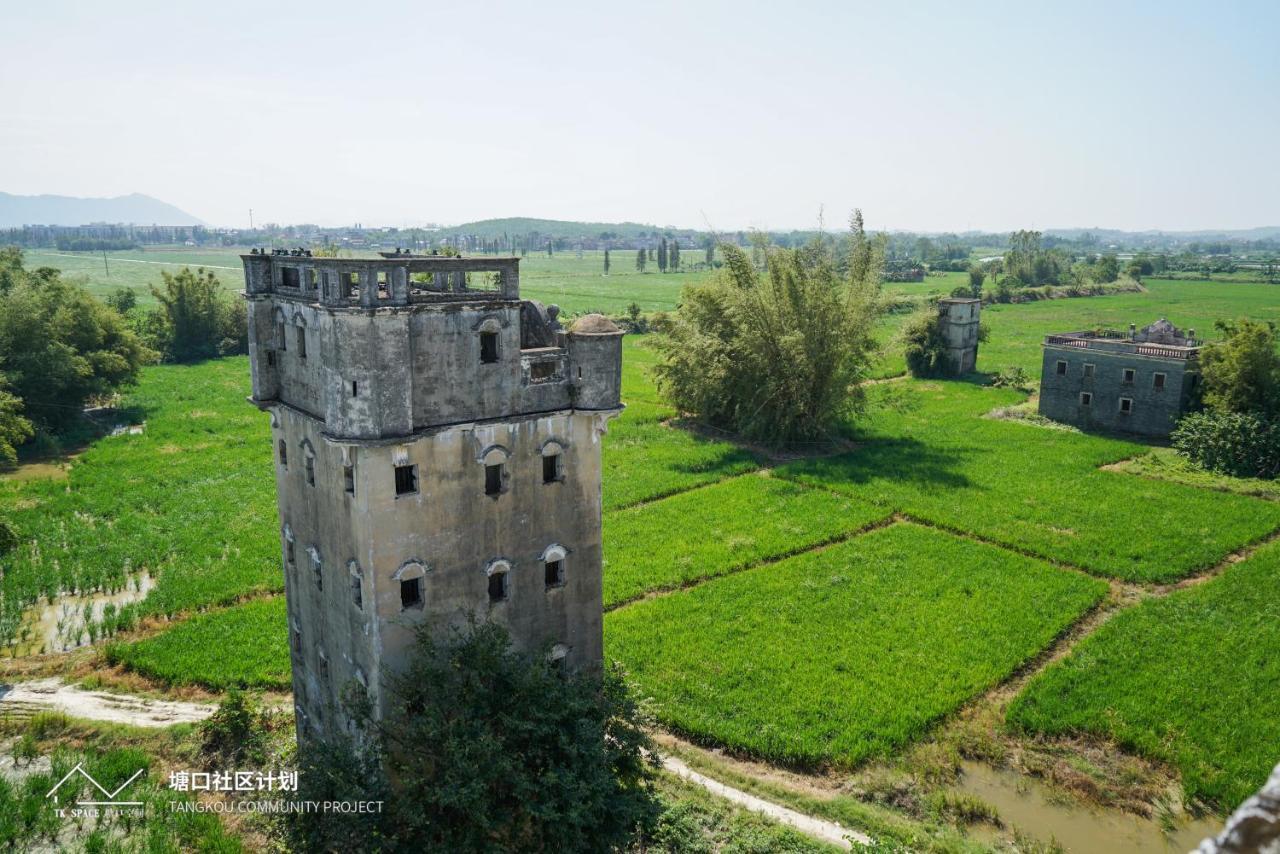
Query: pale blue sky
[[930, 116]]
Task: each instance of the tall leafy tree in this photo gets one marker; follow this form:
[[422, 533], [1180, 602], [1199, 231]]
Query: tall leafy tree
[[640, 259], [662, 256], [673, 255], [61, 348], [776, 356], [196, 318], [1241, 373], [606, 262]]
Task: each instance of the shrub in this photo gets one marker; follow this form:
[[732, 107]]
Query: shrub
[[1234, 443], [776, 356], [490, 750], [237, 730]]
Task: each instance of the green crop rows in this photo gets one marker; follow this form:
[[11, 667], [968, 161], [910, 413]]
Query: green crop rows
[[846, 652], [1193, 679]]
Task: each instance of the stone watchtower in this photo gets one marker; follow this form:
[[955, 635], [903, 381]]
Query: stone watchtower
[[958, 321], [436, 442]]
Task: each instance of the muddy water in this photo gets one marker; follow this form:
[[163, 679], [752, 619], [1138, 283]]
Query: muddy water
[[62, 625], [1028, 805]]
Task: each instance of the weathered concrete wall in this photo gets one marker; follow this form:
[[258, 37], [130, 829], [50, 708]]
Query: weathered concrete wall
[[1154, 411], [383, 386], [960, 319]]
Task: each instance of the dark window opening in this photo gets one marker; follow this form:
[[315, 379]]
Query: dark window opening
[[288, 551], [1157, 382], [284, 453], [357, 594], [542, 370], [1062, 368], [1085, 398], [271, 358], [311, 279], [302, 342], [1128, 375], [1088, 371], [324, 666], [554, 573], [349, 479], [497, 587], [311, 471], [282, 337], [557, 664], [488, 347], [579, 373], [290, 278], [411, 593], [493, 479], [384, 287], [1126, 405], [355, 389], [551, 468], [406, 480], [297, 641]]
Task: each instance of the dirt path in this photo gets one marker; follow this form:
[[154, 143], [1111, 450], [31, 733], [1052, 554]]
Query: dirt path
[[818, 828], [22, 699]]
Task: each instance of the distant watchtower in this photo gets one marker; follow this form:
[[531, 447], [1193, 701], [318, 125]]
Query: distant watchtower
[[958, 320], [437, 454]]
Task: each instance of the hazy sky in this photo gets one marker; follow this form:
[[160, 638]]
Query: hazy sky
[[930, 116]]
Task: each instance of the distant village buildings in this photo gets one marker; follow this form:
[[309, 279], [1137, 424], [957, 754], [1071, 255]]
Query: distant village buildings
[[1140, 382]]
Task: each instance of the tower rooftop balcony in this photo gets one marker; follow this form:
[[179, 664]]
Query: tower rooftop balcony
[[396, 279]]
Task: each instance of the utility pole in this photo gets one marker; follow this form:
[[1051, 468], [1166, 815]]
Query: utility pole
[[105, 265]]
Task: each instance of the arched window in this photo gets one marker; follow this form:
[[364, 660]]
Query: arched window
[[300, 333], [552, 456], [412, 578], [288, 545], [557, 656], [488, 330], [553, 565], [281, 330], [498, 574], [494, 458], [357, 585], [309, 461], [317, 567]]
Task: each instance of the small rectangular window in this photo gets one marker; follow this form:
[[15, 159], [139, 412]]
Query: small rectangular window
[[1062, 368], [311, 470], [1126, 405], [551, 468], [493, 479], [311, 278], [497, 587], [542, 371], [289, 277], [355, 389], [288, 551], [324, 666], [1085, 398], [1157, 382], [357, 594], [411, 593], [271, 358], [1088, 371], [284, 453], [1128, 375], [406, 480], [297, 642], [302, 342], [488, 347], [554, 573], [349, 479]]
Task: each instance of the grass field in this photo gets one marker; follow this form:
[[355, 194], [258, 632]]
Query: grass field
[[928, 451], [848, 652], [191, 500], [739, 522], [837, 654], [1192, 679], [245, 645]]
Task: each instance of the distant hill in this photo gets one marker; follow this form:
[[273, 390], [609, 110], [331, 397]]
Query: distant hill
[[134, 208], [492, 228]]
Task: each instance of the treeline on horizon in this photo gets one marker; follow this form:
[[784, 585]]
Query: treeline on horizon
[[523, 236]]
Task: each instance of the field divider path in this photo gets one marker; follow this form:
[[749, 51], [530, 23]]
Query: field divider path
[[826, 831], [759, 564]]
